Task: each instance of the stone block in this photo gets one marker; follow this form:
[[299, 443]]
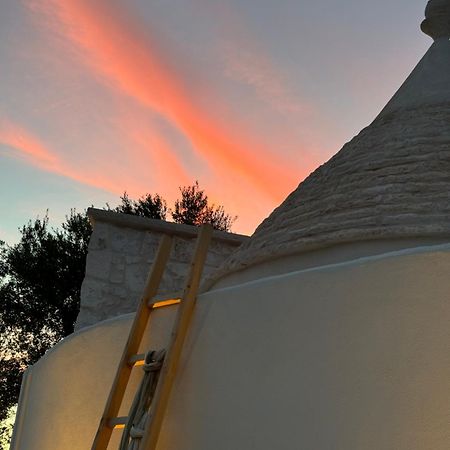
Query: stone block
[[126, 240], [150, 245], [92, 291], [174, 277], [136, 259], [98, 264], [135, 276], [183, 249], [100, 238], [218, 254], [117, 271]]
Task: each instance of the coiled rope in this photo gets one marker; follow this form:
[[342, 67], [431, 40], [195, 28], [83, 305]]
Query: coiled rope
[[139, 411]]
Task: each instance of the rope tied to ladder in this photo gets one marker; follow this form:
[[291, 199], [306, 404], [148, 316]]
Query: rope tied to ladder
[[139, 411], [153, 366]]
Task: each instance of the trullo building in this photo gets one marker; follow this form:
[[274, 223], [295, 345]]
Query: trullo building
[[328, 329]]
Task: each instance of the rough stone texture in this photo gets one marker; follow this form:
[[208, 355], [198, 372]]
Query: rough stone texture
[[121, 251], [392, 180]]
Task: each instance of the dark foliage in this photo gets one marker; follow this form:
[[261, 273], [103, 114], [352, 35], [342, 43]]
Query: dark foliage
[[193, 208], [40, 280], [152, 206]]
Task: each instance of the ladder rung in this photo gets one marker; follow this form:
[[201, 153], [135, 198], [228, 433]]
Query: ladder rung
[[137, 360], [117, 422], [168, 302], [164, 301]]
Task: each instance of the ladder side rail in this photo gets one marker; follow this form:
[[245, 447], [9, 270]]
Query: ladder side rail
[[180, 330], [131, 348]]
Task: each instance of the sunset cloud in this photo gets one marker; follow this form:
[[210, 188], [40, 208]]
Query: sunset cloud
[[143, 96], [149, 143], [17, 142], [30, 148], [27, 147], [135, 64]]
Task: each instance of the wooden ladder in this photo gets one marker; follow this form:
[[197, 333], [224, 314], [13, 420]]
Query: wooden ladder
[[130, 357]]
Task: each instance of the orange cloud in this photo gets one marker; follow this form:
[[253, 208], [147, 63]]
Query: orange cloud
[[161, 164], [148, 143], [111, 44], [148, 146], [31, 149]]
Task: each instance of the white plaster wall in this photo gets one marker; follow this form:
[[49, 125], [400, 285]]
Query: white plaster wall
[[326, 256], [351, 356], [68, 387]]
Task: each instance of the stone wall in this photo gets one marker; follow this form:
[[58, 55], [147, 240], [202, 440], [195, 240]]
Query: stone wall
[[121, 251]]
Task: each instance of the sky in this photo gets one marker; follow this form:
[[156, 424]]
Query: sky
[[98, 97]]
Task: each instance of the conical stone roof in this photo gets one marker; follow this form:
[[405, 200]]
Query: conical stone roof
[[390, 181]]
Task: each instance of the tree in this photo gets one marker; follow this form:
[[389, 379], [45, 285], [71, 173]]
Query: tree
[[153, 207], [193, 208], [41, 276], [40, 280]]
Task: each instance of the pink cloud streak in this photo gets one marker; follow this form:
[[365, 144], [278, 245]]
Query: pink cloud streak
[[30, 148], [133, 65]]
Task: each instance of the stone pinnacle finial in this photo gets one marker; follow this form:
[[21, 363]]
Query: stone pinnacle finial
[[437, 19]]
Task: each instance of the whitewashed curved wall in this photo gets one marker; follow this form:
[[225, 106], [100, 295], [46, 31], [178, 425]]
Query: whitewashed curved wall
[[68, 387], [345, 357]]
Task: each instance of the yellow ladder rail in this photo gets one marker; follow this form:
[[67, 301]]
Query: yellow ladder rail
[[130, 356], [180, 330]]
